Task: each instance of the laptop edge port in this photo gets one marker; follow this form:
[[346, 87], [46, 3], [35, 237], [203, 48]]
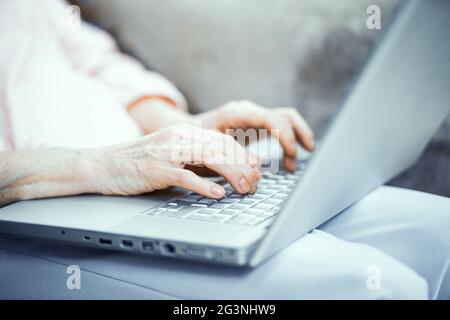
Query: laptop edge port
[[168, 248], [105, 242], [148, 246], [127, 244]]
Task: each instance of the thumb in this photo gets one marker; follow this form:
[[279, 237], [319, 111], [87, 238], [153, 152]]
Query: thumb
[[188, 180]]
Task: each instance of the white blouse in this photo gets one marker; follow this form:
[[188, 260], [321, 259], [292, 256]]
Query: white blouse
[[66, 86]]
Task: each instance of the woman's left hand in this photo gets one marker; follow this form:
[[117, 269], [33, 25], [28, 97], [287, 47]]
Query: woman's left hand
[[290, 127]]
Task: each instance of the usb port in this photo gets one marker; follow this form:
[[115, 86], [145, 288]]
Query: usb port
[[105, 242], [127, 243], [148, 246]]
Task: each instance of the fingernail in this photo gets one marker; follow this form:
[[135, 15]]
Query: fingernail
[[291, 164], [217, 191], [310, 141], [243, 184]]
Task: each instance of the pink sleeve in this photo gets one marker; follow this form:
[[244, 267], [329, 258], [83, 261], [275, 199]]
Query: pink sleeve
[[94, 52]]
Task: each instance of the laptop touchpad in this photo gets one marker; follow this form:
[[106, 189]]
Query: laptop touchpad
[[90, 212]]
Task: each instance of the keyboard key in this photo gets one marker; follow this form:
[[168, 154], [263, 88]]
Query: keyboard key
[[281, 196], [209, 218], [228, 187], [267, 192], [239, 219], [207, 201], [249, 202], [175, 209], [274, 177], [253, 221], [200, 205], [179, 213], [155, 211], [236, 196], [178, 202], [174, 214], [208, 211], [255, 212], [191, 197], [218, 206], [229, 201], [286, 182], [239, 207], [266, 182], [257, 196], [277, 187], [229, 212], [263, 206], [273, 202]]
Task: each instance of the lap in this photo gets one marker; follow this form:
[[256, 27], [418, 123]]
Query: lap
[[412, 227], [317, 266], [324, 264]]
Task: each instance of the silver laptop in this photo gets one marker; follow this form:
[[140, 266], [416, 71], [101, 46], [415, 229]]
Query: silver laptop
[[395, 107]]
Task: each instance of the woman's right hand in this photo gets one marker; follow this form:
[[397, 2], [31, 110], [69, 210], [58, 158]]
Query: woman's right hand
[[160, 160]]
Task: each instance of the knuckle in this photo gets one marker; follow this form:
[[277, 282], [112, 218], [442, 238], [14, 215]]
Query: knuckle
[[229, 140], [183, 176], [249, 105], [147, 150], [292, 111], [245, 101]]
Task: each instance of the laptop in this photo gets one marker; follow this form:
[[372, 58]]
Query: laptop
[[397, 104]]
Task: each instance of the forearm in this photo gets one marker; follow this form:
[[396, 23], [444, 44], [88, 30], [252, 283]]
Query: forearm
[[154, 114], [35, 174]]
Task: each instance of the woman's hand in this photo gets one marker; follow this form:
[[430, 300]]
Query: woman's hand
[[289, 124], [159, 160], [153, 162], [291, 127]]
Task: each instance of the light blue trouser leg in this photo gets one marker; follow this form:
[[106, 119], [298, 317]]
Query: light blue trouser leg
[[319, 265], [413, 227]]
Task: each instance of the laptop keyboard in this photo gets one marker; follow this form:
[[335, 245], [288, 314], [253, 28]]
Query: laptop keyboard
[[258, 209]]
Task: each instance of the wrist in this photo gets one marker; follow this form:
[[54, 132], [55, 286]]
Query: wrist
[[154, 114], [92, 170], [206, 120]]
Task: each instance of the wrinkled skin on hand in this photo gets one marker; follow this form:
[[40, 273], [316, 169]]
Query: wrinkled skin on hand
[[164, 159]]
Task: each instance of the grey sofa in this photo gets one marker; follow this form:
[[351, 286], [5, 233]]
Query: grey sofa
[[300, 53]]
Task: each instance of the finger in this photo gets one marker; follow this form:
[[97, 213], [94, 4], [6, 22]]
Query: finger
[[241, 177], [188, 180], [249, 114], [290, 164], [221, 154], [233, 166], [282, 130], [201, 171], [303, 131], [254, 160]]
